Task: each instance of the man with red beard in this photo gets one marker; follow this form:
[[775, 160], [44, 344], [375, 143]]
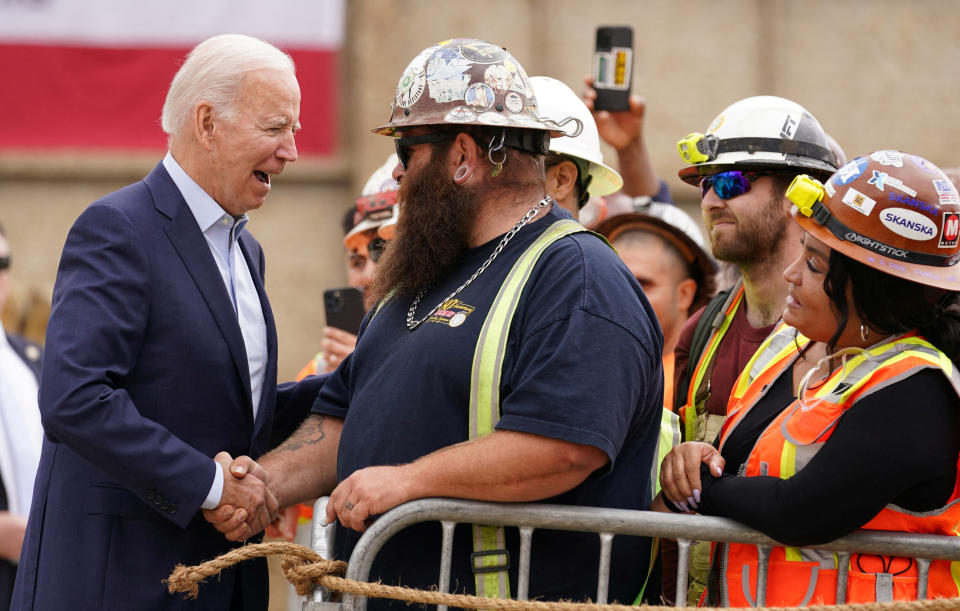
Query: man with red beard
[[743, 166], [511, 356]]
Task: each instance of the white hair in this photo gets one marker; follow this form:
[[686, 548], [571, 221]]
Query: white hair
[[213, 72]]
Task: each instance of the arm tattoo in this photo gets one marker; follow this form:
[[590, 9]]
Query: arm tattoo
[[310, 432]]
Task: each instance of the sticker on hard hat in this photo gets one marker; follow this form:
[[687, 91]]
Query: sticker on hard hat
[[924, 165], [460, 114], [894, 158], [950, 231], [483, 52], [858, 201], [882, 179], [492, 118], [947, 192], [479, 97], [513, 101], [500, 76], [914, 203], [851, 171], [445, 76], [410, 87], [908, 224]]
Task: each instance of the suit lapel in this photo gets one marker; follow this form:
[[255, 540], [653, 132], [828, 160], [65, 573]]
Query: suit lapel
[[188, 240], [252, 255]]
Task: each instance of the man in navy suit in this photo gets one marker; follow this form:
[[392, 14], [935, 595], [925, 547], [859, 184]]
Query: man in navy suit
[[162, 351], [20, 435]]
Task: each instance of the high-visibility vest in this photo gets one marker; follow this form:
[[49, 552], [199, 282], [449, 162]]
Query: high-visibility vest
[[490, 560], [693, 412], [809, 577]]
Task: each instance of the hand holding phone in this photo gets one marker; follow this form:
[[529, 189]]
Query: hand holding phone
[[613, 67], [343, 308]]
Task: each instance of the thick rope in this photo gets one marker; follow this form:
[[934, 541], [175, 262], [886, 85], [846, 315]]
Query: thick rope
[[305, 569]]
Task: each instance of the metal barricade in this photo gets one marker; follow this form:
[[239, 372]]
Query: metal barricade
[[607, 523]]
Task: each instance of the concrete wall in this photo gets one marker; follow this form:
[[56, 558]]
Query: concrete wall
[[876, 73]]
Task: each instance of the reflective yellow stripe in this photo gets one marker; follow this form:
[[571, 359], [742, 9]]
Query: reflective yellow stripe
[[788, 460], [691, 409], [668, 438], [485, 378]]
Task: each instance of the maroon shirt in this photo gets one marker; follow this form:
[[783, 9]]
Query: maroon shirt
[[737, 346]]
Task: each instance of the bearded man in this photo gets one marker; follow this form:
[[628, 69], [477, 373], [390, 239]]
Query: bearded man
[[573, 405]]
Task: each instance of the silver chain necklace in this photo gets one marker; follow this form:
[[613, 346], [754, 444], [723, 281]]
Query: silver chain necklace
[[411, 313]]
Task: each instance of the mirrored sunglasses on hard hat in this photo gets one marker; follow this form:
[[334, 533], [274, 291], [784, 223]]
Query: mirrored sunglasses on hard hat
[[728, 185], [403, 144]]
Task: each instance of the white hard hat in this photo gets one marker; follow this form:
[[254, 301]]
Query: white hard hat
[[376, 203], [557, 102], [759, 132]]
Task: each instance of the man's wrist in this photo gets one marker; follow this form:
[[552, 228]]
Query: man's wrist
[[216, 489]]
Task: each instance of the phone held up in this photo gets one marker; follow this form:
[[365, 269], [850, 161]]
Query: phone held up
[[343, 308], [613, 67]]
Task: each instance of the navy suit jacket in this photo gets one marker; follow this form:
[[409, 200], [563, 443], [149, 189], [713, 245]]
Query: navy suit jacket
[[31, 354], [144, 379]]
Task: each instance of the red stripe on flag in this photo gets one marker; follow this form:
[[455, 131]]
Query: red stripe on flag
[[110, 98]]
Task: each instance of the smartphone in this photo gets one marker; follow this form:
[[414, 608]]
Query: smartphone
[[343, 308], [613, 67]]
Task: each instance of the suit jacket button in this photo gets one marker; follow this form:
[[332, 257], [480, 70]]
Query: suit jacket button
[[172, 509], [164, 505], [151, 494]]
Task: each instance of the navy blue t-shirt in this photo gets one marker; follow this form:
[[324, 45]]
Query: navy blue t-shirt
[[582, 364]]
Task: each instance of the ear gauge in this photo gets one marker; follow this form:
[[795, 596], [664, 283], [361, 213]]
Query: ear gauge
[[462, 174]]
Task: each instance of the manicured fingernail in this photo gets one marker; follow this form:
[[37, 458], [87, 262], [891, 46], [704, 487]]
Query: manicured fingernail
[[696, 496], [683, 506], [717, 471], [691, 502]]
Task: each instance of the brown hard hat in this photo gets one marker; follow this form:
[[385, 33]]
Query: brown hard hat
[[893, 211], [465, 82]]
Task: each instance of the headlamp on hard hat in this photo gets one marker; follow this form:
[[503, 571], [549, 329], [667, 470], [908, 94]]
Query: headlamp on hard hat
[[805, 192], [698, 148]]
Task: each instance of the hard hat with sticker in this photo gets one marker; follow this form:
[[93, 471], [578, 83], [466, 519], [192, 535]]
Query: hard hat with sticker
[[466, 82], [759, 133], [890, 210]]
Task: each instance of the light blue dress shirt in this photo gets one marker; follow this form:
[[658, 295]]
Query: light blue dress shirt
[[222, 231]]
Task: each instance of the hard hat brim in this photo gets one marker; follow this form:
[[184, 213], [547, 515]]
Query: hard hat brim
[[940, 277]]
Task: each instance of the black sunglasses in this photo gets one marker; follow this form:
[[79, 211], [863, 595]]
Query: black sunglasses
[[403, 144], [4, 263]]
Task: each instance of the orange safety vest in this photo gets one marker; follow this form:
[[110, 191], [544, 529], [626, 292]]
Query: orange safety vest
[[799, 577]]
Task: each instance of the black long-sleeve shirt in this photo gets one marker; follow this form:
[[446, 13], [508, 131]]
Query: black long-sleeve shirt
[[898, 445]]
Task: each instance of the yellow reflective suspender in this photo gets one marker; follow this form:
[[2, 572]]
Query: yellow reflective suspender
[[691, 409], [490, 559]]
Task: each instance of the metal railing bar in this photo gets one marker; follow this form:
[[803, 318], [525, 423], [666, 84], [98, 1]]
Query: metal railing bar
[[923, 573], [619, 522], [683, 568], [446, 558], [523, 578], [603, 573], [763, 565], [843, 569]]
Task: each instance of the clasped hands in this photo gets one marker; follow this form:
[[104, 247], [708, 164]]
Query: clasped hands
[[680, 473], [248, 505]]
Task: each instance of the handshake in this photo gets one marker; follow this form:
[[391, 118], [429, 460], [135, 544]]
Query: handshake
[[247, 505]]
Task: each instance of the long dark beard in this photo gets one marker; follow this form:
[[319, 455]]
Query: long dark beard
[[433, 231]]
